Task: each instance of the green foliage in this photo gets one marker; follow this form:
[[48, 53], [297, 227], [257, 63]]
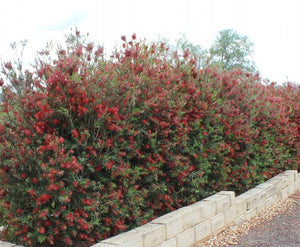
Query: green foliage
[[91, 147]]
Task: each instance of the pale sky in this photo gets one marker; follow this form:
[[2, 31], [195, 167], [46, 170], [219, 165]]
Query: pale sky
[[272, 25]]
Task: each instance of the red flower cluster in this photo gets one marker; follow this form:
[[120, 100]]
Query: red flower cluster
[[92, 146], [44, 198]]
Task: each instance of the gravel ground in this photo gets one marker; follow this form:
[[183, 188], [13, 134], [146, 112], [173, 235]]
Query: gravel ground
[[277, 226]]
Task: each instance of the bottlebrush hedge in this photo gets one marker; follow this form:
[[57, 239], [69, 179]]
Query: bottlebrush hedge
[[91, 147]]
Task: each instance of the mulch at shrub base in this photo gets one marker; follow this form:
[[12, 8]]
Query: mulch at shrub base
[[282, 231]]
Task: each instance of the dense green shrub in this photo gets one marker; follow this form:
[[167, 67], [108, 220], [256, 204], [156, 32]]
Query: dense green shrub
[[91, 146]]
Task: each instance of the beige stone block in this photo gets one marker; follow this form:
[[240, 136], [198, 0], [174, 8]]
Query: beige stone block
[[186, 238], [291, 188], [95, 245], [173, 223], [207, 208], [261, 207], [292, 174], [152, 234], [298, 182], [230, 194], [169, 243], [222, 201], [270, 188], [217, 222], [280, 180], [192, 216], [272, 200], [230, 214], [239, 220], [202, 230], [250, 213], [127, 239], [253, 197], [241, 206], [284, 194]]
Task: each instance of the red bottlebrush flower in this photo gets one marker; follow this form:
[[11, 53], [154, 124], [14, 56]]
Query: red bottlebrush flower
[[55, 121], [82, 236], [29, 242], [1, 83], [27, 141], [25, 229], [61, 140], [41, 230], [34, 211], [99, 51], [85, 215], [52, 187], [61, 184], [75, 184], [8, 66], [43, 214], [127, 53], [119, 225], [23, 175], [56, 214], [50, 240], [63, 227], [84, 227], [68, 241], [69, 217], [86, 202], [123, 37], [34, 180], [27, 132], [98, 168], [18, 211], [67, 199], [97, 235], [133, 36], [78, 51], [55, 231], [62, 52], [75, 134], [186, 54], [89, 47], [113, 111], [47, 223], [109, 164], [42, 199]]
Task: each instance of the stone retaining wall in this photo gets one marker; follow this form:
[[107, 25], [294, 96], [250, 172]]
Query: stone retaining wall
[[191, 224]]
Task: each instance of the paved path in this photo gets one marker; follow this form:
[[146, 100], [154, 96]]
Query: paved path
[[282, 231]]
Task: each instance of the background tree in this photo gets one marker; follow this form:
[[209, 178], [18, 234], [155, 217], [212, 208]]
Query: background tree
[[183, 45], [231, 50], [201, 54]]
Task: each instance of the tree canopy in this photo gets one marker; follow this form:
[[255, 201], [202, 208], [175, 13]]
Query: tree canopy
[[231, 50]]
